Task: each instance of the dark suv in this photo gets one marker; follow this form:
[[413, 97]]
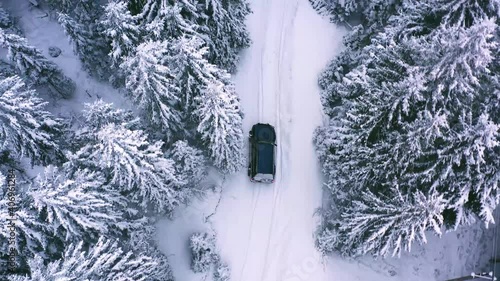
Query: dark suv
[[262, 166]]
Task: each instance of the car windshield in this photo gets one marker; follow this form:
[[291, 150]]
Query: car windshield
[[265, 158]]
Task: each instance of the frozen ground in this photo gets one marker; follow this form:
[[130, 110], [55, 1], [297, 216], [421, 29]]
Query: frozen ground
[[266, 231]]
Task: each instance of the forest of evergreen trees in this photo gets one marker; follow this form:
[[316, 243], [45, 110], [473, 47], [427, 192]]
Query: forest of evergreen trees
[[412, 146], [108, 172]]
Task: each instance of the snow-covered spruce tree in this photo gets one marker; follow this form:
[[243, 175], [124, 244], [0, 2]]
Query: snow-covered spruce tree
[[99, 114], [370, 16], [133, 165], [383, 225], [415, 110], [121, 30], [363, 133], [223, 23], [5, 19], [210, 104], [7, 22], [219, 23], [61, 5], [464, 86], [467, 13], [30, 232], [143, 240], [26, 128], [420, 18], [35, 67], [203, 250], [7, 69], [190, 162], [414, 123], [371, 13], [192, 73], [87, 43], [164, 20], [220, 125], [83, 11], [104, 261], [151, 83], [75, 208]]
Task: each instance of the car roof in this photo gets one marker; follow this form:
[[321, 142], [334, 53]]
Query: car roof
[[264, 132]]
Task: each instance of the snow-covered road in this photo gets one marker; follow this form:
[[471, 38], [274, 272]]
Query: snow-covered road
[[265, 231]]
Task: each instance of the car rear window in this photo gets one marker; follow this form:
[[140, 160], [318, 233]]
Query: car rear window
[[265, 158]]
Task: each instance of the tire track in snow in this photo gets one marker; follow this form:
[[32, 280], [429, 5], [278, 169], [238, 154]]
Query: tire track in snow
[[285, 27], [261, 69], [254, 207]]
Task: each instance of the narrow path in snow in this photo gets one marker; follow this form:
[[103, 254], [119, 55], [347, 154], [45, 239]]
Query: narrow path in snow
[[266, 231]]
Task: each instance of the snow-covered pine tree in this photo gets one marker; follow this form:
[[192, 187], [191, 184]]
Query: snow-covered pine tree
[[74, 208], [363, 134], [192, 73], [7, 70], [30, 232], [219, 23], [121, 30], [371, 13], [61, 5], [104, 261], [5, 20], [464, 86], [90, 47], [466, 13], [220, 125], [99, 114], [83, 11], [34, 66], [164, 20], [382, 225], [416, 108], [152, 85], [190, 162], [210, 104], [203, 250], [134, 165], [224, 30], [26, 128], [143, 241]]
